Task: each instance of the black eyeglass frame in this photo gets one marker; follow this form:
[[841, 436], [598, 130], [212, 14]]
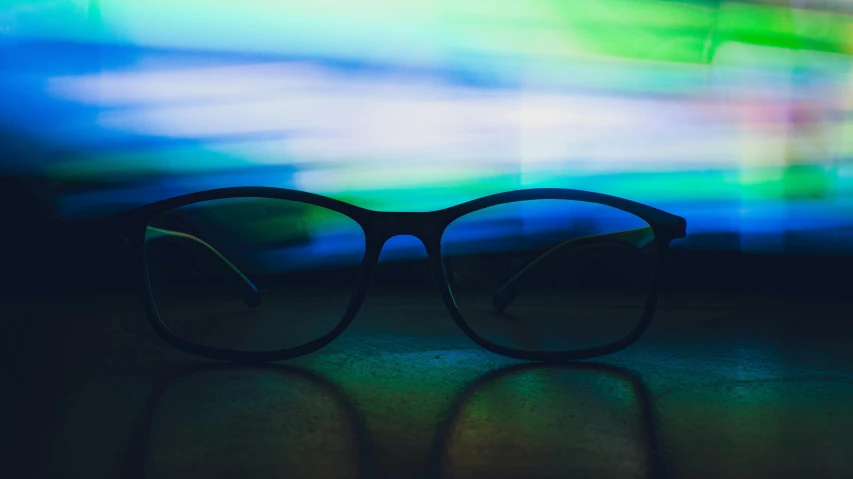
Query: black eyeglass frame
[[379, 227]]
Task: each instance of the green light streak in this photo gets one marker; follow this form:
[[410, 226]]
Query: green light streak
[[438, 31]]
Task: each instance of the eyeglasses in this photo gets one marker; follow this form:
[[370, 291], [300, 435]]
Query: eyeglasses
[[265, 274]]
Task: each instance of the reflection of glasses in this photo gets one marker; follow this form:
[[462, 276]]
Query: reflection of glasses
[[266, 274], [452, 448]]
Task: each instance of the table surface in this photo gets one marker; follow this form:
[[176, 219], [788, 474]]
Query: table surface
[[721, 386]]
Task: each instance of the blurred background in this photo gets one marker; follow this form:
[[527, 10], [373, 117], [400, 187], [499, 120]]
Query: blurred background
[[736, 115]]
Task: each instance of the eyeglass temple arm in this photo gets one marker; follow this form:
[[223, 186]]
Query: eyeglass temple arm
[[252, 296], [505, 295]]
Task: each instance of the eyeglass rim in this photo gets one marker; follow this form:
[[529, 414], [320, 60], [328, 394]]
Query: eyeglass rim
[[131, 225]]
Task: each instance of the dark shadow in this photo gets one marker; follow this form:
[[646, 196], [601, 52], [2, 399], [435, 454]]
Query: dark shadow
[[148, 437], [438, 457], [175, 397], [41, 253]]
